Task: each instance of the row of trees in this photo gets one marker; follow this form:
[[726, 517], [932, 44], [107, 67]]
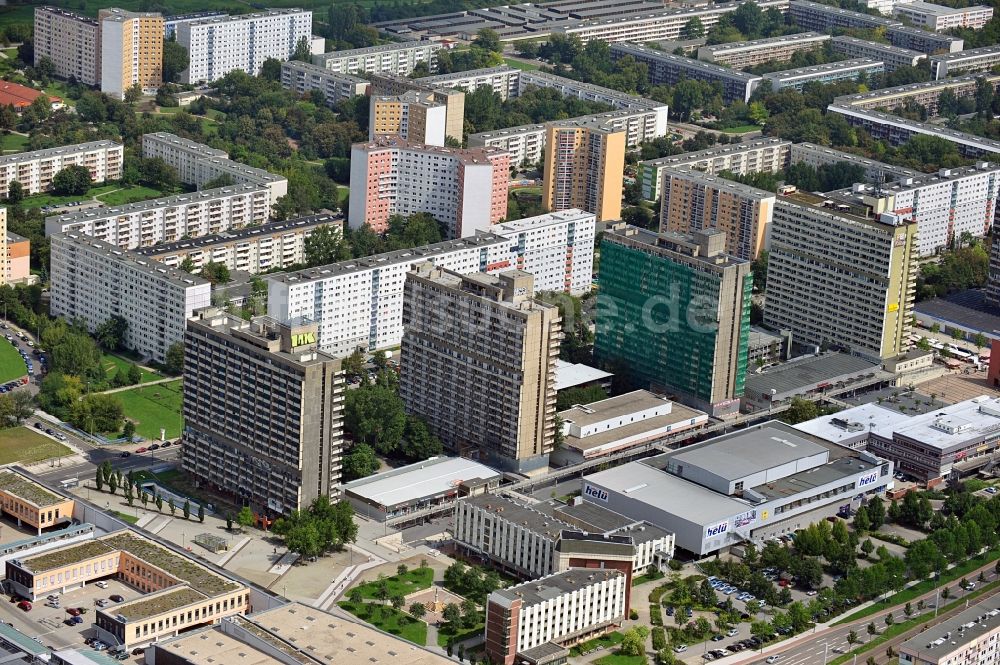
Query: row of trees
[[113, 479]]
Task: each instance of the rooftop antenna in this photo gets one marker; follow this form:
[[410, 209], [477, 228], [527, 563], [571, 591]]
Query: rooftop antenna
[[879, 183]]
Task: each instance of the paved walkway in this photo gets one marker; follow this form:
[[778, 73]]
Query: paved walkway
[[140, 385]]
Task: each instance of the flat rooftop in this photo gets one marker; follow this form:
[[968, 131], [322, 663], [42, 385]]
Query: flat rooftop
[[569, 374], [967, 309], [210, 646], [742, 453], [558, 584], [825, 69], [48, 153], [806, 481], [177, 200], [534, 517], [593, 518], [964, 627], [755, 44], [806, 373], [157, 603], [28, 490], [683, 62], [305, 629], [985, 52], [615, 407], [716, 152], [433, 477], [137, 261], [954, 425], [937, 10], [851, 423]]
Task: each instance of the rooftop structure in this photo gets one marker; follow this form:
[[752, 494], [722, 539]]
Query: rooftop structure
[[852, 427], [806, 376], [892, 57], [956, 639], [570, 375]]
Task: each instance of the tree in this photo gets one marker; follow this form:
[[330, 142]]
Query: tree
[[270, 70], [908, 610], [229, 521], [452, 614], [302, 52], [187, 509], [156, 173], [133, 94], [129, 495], [73, 180], [375, 415], [175, 60], [355, 596], [175, 358], [111, 334], [800, 411], [128, 431], [488, 40], [99, 479], [761, 630], [418, 610], [638, 216], [861, 521], [418, 442], [889, 619], [872, 629], [634, 641], [867, 547], [15, 192], [172, 506], [245, 517], [326, 244], [158, 500], [979, 339], [693, 29], [201, 514], [216, 273], [359, 462], [852, 638]]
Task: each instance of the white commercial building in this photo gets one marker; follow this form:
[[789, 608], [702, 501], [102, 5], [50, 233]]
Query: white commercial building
[[37, 169], [747, 485], [302, 77], [359, 303], [198, 164], [94, 281], [398, 59], [945, 205], [940, 17], [168, 219], [217, 46], [561, 609]]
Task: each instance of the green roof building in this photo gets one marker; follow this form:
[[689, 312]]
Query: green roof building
[[674, 314]]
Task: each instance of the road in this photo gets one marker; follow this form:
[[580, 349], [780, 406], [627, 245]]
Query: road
[[826, 644]]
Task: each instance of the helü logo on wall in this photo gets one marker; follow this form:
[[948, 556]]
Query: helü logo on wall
[[595, 493]]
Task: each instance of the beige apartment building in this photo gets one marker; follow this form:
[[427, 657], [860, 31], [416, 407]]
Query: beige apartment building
[[71, 41], [453, 100], [478, 364], [842, 275], [131, 51], [584, 161], [693, 201], [29, 503], [414, 116], [262, 411]]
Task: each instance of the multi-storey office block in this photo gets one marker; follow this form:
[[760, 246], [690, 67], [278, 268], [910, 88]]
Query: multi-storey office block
[[669, 69], [684, 326], [71, 41], [37, 169], [892, 57], [740, 55], [765, 155], [495, 400], [131, 51], [303, 77], [398, 59], [466, 190], [262, 410], [93, 281], [359, 303], [693, 201], [169, 219], [842, 277], [219, 45]]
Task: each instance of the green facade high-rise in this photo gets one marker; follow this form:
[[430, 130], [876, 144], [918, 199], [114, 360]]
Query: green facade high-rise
[[673, 312]]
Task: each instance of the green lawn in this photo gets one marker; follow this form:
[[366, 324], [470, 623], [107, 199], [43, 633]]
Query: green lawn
[[618, 659], [60, 90], [741, 129], [112, 363], [10, 53], [390, 620], [127, 195], [961, 570], [17, 14], [518, 64], [153, 407], [445, 633], [11, 364], [13, 142], [130, 519], [413, 580], [20, 444], [39, 200]]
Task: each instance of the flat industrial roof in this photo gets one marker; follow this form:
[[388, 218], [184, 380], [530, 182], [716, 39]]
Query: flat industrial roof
[[953, 425], [742, 453], [211, 645], [983, 617], [850, 423], [683, 498], [614, 407], [968, 309], [416, 481], [810, 479], [801, 374], [557, 584], [536, 517]]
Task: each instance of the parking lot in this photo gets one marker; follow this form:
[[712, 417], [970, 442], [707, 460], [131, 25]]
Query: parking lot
[[53, 626]]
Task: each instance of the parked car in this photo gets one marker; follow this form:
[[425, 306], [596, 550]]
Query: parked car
[[125, 454], [773, 659], [102, 602], [25, 605], [718, 637], [166, 444], [116, 598], [140, 450], [680, 648], [732, 632], [101, 584], [76, 619]]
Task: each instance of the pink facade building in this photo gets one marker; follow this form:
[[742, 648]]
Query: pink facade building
[[466, 190]]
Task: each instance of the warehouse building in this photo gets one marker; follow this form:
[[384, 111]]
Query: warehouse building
[[434, 482], [719, 493]]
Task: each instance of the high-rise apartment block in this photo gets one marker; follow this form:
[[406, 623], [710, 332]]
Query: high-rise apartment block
[[677, 314], [841, 275], [71, 41], [973, 60], [827, 73], [694, 201], [168, 219], [131, 51], [466, 190], [94, 281], [827, 18], [359, 303], [398, 59], [4, 248], [453, 100], [303, 77], [478, 363], [262, 411], [37, 169], [219, 45], [583, 169], [740, 55], [414, 116]]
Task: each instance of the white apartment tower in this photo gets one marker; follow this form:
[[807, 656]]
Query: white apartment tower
[[70, 41], [219, 45], [95, 281]]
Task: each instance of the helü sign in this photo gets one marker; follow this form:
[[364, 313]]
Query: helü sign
[[595, 493]]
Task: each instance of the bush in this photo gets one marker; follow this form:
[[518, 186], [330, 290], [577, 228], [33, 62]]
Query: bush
[[633, 615], [659, 639], [675, 564], [655, 615]]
